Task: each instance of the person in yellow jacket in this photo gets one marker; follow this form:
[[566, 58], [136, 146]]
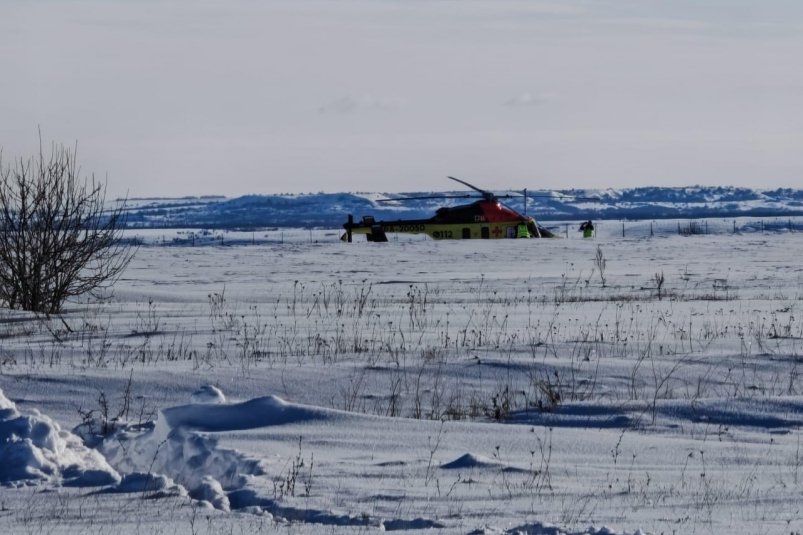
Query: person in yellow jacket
[[587, 229]]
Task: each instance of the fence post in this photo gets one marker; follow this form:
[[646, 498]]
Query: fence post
[[623, 229], [651, 233]]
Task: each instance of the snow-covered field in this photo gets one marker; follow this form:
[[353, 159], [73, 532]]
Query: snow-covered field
[[311, 386]]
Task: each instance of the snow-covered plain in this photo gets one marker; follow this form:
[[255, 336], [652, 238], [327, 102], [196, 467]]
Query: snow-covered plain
[[314, 386]]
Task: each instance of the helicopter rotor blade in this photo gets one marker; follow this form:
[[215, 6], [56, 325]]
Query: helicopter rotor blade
[[569, 198], [403, 199], [559, 196], [485, 193], [489, 195]]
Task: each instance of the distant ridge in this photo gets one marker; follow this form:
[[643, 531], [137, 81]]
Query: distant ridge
[[331, 209]]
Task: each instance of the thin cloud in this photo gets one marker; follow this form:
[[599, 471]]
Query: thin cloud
[[350, 104]]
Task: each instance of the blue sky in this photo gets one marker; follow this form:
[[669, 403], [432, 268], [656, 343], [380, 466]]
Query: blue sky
[[196, 97]]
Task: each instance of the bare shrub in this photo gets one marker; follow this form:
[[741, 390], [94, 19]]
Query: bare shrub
[[57, 240], [103, 421], [502, 405], [600, 263], [546, 388], [285, 484], [658, 278]]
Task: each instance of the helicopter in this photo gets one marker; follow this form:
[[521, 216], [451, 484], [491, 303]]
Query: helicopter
[[486, 218]]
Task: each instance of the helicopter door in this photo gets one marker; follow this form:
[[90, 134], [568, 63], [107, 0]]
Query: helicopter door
[[466, 233], [485, 233]]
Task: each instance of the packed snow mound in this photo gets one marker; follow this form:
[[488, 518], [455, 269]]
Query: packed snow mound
[[211, 491], [208, 394], [6, 404], [34, 449], [469, 460], [259, 412]]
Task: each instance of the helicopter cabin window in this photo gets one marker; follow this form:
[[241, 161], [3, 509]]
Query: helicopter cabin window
[[485, 233], [466, 233]]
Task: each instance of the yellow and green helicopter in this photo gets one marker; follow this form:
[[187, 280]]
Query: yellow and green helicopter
[[485, 218]]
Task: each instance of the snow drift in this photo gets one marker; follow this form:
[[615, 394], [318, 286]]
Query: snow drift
[[179, 447], [34, 449], [186, 461]]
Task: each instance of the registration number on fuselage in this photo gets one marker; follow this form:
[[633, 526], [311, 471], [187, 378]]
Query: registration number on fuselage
[[405, 228], [442, 235]]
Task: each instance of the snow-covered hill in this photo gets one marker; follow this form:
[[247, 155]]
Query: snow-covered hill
[[331, 209]]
